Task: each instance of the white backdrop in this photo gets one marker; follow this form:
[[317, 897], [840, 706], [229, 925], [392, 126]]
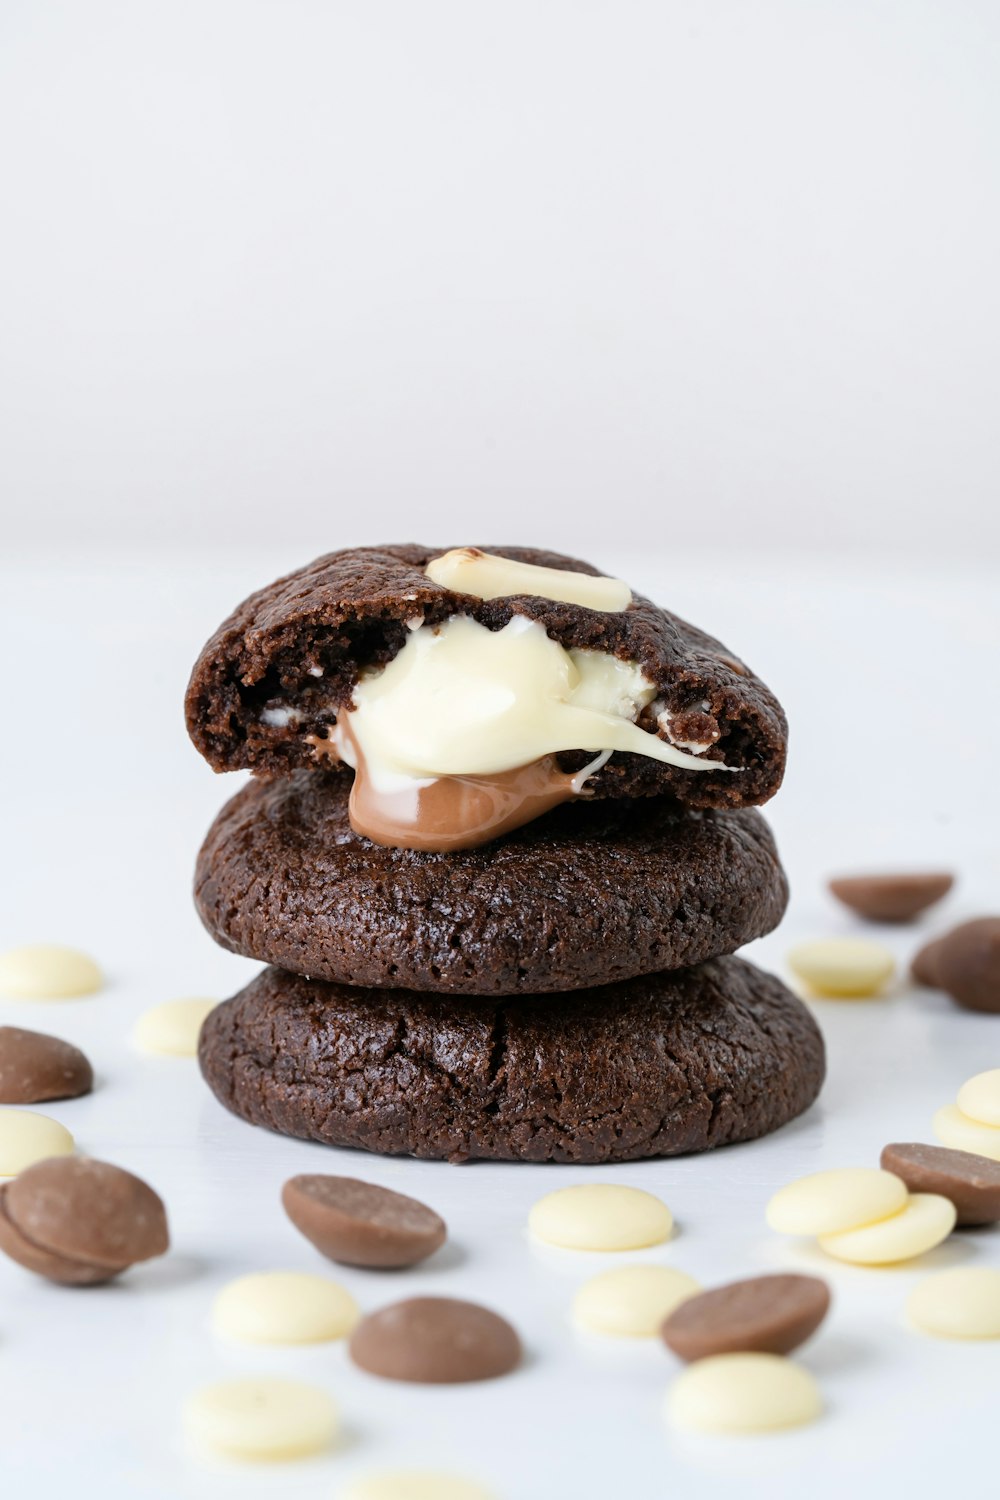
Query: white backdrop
[[677, 284], [668, 272]]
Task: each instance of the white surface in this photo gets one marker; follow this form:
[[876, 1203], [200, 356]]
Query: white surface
[[889, 680], [666, 260]]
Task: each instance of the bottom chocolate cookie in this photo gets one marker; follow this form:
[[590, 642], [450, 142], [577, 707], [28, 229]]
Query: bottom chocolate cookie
[[657, 1066], [652, 1067]]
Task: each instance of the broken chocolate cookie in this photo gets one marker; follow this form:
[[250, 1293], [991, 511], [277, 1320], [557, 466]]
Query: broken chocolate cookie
[[469, 691]]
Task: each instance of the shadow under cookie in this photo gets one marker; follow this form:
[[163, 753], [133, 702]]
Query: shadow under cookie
[[590, 894], [657, 1066]]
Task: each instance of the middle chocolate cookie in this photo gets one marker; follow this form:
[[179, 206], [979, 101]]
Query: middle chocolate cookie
[[585, 896]]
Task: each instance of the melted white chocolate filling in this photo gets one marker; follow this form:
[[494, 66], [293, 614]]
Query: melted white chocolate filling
[[467, 570], [461, 700]]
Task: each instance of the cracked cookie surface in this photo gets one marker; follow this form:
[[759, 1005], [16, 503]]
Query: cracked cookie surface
[[587, 895], [657, 1066]]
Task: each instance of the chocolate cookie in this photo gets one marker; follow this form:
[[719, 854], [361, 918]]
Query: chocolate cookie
[[655, 1067], [269, 684], [584, 896]]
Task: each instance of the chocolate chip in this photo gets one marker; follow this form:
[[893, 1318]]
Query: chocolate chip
[[965, 963], [971, 1182], [361, 1224], [35, 1067], [435, 1340], [79, 1221], [891, 898], [764, 1315]]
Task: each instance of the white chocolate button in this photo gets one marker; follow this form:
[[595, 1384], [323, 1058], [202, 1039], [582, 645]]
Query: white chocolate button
[[601, 1216], [979, 1098], [743, 1393], [631, 1302], [43, 971], [284, 1307], [261, 1420], [414, 1484], [829, 1202], [27, 1137], [842, 968], [953, 1128], [926, 1220], [467, 570], [959, 1304], [172, 1028]]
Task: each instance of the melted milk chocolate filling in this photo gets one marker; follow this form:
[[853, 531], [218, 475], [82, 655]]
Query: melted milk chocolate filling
[[453, 741], [450, 812]]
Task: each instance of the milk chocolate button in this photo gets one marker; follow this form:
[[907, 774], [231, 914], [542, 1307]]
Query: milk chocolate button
[[79, 1221], [360, 1224], [435, 1341], [971, 1182], [35, 1067], [966, 964], [764, 1315], [891, 898], [923, 965]]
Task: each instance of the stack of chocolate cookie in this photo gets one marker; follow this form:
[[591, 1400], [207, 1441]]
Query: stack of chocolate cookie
[[499, 848]]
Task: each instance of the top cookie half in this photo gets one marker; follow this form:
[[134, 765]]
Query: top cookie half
[[466, 665]]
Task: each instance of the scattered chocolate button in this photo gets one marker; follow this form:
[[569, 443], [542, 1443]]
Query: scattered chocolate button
[[923, 965], [35, 1067], [965, 963], [80, 1222], [891, 898], [743, 1393], [762, 1315], [435, 1341], [360, 1224], [842, 968], [924, 1222], [47, 971], [971, 1182], [261, 1420], [27, 1136], [36, 1258]]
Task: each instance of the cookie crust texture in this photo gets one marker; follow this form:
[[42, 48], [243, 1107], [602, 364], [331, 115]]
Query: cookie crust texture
[[590, 894], [302, 642], [658, 1066]]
